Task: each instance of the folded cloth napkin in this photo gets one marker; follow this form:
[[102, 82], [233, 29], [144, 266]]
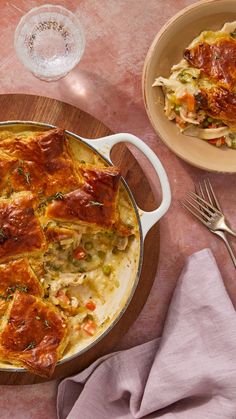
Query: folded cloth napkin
[[189, 373]]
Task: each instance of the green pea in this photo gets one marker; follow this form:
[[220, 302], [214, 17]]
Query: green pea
[[106, 270], [101, 254], [177, 109], [88, 245], [205, 124], [88, 257]]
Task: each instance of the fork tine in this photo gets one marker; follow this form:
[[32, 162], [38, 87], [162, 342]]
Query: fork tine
[[198, 209], [193, 213], [205, 203], [208, 193], [201, 191], [217, 205], [201, 206]]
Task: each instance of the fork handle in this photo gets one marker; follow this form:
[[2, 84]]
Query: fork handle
[[228, 230], [228, 245]]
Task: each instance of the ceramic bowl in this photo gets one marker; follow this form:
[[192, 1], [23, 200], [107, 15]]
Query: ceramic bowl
[[167, 50]]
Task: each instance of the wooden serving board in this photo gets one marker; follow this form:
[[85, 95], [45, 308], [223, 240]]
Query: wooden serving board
[[42, 109]]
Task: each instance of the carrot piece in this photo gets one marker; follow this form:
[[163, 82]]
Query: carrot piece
[[179, 121], [62, 297], [79, 253], [90, 305], [189, 100], [220, 141], [89, 327]]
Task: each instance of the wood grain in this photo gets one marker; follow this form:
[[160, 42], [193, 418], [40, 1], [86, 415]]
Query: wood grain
[[42, 109]]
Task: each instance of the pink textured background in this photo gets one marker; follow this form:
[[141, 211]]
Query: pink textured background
[[107, 84]]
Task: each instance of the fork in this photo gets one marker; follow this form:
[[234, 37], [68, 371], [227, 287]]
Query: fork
[[209, 213]]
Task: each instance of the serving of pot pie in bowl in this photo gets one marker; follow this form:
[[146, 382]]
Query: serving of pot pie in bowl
[[71, 243], [189, 81]]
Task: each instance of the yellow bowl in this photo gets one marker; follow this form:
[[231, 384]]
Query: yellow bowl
[[167, 50]]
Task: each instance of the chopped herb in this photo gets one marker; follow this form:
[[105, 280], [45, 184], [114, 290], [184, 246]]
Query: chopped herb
[[96, 203], [57, 195], [20, 288], [37, 318], [47, 324], [81, 270], [82, 161], [6, 298], [25, 174], [2, 234], [20, 171], [31, 345], [27, 177], [11, 289]]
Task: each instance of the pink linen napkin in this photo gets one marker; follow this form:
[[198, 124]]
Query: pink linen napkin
[[190, 373]]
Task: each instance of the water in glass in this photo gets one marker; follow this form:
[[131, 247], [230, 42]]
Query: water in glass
[[49, 41]]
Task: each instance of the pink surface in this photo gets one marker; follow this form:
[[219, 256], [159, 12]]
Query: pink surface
[[186, 374], [107, 84]]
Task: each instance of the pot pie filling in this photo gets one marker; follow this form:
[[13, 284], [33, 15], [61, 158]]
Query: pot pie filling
[[200, 94], [64, 227]]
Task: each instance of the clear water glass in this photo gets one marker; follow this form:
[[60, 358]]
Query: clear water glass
[[49, 41]]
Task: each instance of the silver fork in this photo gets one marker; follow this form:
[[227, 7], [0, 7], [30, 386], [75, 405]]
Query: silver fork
[[209, 213]]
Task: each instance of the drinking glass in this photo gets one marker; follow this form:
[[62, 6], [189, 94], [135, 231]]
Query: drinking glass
[[49, 41]]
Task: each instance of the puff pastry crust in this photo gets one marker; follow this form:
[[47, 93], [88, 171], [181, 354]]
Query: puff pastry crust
[[17, 275], [94, 202], [20, 231], [217, 62], [34, 334], [44, 163]]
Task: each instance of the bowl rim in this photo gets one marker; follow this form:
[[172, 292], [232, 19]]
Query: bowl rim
[[146, 66]]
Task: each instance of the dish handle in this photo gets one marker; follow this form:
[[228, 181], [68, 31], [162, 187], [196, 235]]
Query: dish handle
[[104, 146]]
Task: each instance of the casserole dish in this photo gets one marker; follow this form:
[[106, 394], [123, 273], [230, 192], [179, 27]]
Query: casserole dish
[[129, 263]]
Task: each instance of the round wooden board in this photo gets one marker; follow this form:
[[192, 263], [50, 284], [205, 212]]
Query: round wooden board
[[42, 109]]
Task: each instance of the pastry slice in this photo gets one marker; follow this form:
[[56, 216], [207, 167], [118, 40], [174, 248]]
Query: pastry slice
[[44, 163], [39, 147], [17, 276], [94, 203], [20, 230], [33, 334]]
